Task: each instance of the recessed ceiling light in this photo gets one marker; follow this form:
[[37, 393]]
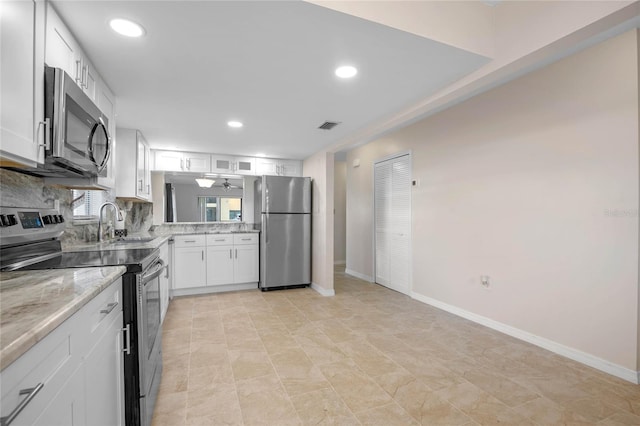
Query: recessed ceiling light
[[234, 124], [126, 27], [346, 71]]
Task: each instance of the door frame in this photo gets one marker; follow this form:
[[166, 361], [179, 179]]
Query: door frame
[[373, 224]]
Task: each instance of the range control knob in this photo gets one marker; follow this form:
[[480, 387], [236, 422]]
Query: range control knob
[[46, 219], [3, 220], [12, 219], [60, 219]]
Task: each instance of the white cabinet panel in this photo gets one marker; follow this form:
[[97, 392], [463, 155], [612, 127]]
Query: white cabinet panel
[[21, 81], [275, 167], [245, 268], [195, 162], [190, 267], [234, 165], [178, 161], [132, 159], [220, 265]]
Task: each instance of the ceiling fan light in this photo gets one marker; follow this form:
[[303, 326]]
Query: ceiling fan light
[[205, 183]]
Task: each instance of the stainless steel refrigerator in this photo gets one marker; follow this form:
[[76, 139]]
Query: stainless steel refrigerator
[[283, 208]]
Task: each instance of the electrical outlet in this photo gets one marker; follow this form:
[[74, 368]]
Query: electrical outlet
[[484, 280]]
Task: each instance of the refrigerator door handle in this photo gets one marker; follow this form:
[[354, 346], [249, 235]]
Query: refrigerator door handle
[[266, 230]]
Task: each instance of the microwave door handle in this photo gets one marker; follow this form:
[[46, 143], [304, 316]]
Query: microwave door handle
[[103, 163], [107, 149]]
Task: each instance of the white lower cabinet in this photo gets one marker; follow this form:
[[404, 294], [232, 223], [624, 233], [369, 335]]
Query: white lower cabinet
[[190, 261], [75, 374], [104, 379], [220, 265], [205, 263], [232, 259]]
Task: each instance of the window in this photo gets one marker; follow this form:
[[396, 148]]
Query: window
[[86, 204], [220, 209]]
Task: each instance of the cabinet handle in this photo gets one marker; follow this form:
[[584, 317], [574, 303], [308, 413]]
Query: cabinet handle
[[236, 253], [221, 239], [245, 239], [85, 76], [127, 339], [148, 189], [189, 241], [202, 255], [140, 180], [110, 307], [230, 254], [47, 133], [188, 164], [78, 74], [166, 272], [30, 392], [182, 163]]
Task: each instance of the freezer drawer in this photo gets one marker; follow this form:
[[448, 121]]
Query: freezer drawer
[[285, 250]]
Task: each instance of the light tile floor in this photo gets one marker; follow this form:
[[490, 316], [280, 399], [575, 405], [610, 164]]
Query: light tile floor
[[368, 355]]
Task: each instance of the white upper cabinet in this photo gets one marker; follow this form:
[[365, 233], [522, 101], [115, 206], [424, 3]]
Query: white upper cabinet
[[63, 51], [133, 161], [22, 82], [276, 167], [234, 165], [178, 161]]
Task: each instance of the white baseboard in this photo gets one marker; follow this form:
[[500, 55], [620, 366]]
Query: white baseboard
[[566, 351], [359, 275], [213, 289], [340, 262], [323, 291]]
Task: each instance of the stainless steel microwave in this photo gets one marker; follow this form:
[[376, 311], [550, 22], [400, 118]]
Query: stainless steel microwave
[[77, 141]]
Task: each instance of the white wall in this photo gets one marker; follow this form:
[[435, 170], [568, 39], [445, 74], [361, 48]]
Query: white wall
[[535, 184], [320, 168], [340, 216]]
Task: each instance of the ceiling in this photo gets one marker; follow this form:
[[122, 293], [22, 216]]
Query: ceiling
[[269, 64]]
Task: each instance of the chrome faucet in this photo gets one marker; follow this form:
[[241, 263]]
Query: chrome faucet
[[118, 214]]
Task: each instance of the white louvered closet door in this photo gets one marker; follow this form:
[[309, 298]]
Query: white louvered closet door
[[392, 182]]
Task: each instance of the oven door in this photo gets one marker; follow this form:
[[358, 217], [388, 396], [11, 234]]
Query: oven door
[[149, 339]]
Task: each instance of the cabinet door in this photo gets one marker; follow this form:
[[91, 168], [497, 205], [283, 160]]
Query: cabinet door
[[266, 166], [289, 168], [104, 378], [245, 166], [219, 265], [143, 175], [19, 95], [197, 162], [68, 406], [221, 164], [62, 50], [245, 264], [169, 161], [190, 267]]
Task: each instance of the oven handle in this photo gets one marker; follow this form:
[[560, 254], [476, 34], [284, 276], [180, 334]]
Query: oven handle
[[159, 267]]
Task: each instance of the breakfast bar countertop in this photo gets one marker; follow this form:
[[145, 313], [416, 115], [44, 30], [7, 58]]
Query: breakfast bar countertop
[[34, 303]]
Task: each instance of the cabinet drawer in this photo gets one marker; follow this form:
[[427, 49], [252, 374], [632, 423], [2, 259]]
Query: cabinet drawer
[[239, 239], [190, 240], [49, 363], [219, 239], [103, 308]]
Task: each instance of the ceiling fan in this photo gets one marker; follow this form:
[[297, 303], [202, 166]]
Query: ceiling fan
[[227, 186]]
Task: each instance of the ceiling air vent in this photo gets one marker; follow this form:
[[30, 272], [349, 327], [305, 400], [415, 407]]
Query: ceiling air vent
[[328, 125]]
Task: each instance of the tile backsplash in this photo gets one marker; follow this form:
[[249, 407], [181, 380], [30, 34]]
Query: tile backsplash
[[21, 190]]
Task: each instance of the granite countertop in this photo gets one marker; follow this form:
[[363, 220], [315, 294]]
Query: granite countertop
[[145, 240], [32, 304]]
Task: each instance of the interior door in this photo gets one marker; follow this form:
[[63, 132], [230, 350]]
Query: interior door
[[392, 204]]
